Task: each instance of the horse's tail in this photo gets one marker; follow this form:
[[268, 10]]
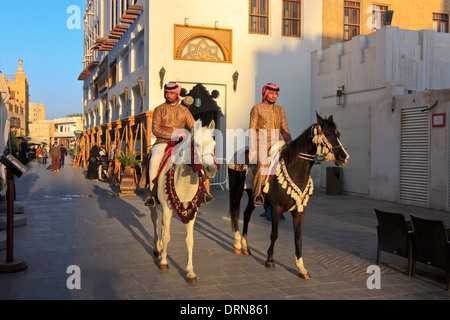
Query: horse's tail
[[236, 181]]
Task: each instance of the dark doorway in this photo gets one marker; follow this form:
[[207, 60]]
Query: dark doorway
[[204, 106]]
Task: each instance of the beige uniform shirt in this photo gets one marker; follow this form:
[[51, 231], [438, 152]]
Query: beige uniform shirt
[[168, 118], [268, 116]]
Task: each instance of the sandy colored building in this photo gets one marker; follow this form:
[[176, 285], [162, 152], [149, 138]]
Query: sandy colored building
[[342, 20], [42, 131], [64, 130], [19, 102], [222, 55], [37, 112]]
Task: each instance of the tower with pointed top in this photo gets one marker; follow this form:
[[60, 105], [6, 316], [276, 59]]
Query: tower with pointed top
[[18, 105]]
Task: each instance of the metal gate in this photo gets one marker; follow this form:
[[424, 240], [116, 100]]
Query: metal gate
[[414, 155], [222, 174]]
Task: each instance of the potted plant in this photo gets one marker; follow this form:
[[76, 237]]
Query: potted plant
[[127, 182], [128, 161]]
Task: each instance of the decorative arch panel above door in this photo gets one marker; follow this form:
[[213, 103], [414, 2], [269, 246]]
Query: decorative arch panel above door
[[202, 44]]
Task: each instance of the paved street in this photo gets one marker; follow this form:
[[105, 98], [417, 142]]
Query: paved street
[[74, 221]]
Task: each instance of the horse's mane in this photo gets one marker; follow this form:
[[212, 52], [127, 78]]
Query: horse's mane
[[290, 152]]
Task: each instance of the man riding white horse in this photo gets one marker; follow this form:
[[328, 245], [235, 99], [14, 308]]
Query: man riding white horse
[[168, 118]]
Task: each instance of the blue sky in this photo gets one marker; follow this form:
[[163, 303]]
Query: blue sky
[[52, 54]]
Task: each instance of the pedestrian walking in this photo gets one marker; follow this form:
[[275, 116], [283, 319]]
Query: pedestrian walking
[[39, 155], [63, 154], [92, 170], [55, 153], [44, 154]]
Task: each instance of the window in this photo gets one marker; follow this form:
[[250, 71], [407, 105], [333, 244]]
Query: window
[[95, 95], [115, 13], [351, 19], [112, 74], [291, 18], [140, 55], [259, 17], [378, 12], [125, 66], [440, 22]]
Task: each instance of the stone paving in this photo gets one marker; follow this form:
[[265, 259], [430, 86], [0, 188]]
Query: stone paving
[[74, 221]]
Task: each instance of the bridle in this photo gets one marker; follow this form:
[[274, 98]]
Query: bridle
[[196, 156], [323, 146]]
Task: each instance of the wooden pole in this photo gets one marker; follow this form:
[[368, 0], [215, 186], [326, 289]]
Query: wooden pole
[[11, 264]]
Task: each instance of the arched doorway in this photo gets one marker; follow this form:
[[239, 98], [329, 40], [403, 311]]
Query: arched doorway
[[204, 105]]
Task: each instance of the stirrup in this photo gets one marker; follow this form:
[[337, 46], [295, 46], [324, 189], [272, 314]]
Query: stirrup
[[150, 202], [258, 200], [208, 198]]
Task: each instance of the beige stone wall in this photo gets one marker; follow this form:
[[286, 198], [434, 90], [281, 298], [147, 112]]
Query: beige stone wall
[[20, 102], [412, 15], [42, 130], [19, 89]]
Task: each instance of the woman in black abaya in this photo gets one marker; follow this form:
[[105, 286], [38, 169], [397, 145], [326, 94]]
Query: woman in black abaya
[[92, 171]]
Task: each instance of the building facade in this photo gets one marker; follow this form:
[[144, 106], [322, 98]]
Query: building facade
[[42, 131], [36, 112], [343, 20], [316, 51], [384, 90], [222, 56], [19, 102], [65, 129]]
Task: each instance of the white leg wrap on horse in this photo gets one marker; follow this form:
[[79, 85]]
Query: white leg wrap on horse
[[237, 240], [300, 265], [244, 243]]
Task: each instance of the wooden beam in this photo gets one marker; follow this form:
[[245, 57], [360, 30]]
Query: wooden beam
[[133, 12], [136, 7], [128, 16], [117, 33], [114, 36], [126, 20], [101, 39], [121, 27]]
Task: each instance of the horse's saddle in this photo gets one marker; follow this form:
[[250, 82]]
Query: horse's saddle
[[167, 153], [240, 162]]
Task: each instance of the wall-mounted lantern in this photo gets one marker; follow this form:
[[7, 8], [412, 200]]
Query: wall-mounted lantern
[[113, 101], [162, 73], [125, 90], [340, 96], [141, 83], [235, 80]]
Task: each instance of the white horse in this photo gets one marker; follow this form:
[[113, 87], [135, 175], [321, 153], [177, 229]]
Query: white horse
[[180, 190]]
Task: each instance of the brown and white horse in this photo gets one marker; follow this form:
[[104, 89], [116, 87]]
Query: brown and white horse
[[290, 187]]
